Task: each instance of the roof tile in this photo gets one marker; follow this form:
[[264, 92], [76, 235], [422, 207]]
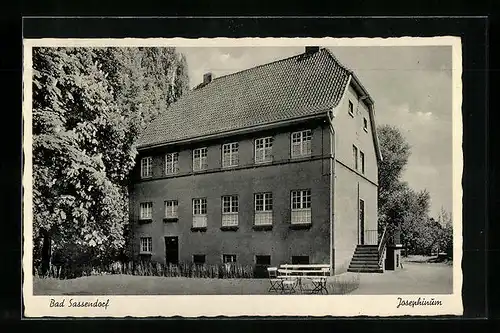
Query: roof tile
[[298, 86]]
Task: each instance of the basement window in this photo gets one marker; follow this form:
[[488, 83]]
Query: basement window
[[300, 260]]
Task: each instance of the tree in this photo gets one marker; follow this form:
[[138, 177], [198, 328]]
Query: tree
[[446, 237], [89, 106], [395, 153]]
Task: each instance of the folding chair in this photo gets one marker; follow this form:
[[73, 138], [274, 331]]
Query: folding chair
[[319, 283], [288, 284], [276, 284]]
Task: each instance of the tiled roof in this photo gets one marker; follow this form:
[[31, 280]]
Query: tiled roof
[[294, 87]]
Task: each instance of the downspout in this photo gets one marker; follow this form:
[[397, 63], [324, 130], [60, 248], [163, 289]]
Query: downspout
[[333, 150]]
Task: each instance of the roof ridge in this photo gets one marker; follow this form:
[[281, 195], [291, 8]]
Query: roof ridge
[[201, 85]]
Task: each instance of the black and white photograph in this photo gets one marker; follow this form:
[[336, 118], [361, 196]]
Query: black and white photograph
[[242, 176]]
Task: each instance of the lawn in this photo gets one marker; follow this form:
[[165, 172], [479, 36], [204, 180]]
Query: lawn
[[417, 277]]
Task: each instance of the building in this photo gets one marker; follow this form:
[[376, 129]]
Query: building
[[274, 164]]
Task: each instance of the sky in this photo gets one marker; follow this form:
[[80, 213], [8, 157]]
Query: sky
[[411, 87]]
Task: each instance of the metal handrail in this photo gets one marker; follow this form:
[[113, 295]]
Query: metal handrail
[[382, 245]]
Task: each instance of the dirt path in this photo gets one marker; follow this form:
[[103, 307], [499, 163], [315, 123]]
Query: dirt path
[[414, 278]]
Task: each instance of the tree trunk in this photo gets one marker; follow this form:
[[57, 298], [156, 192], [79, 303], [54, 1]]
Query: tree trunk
[[46, 252]]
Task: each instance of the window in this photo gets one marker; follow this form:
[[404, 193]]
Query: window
[[300, 260], [263, 209], [230, 154], [301, 207], [171, 163], [200, 159], [146, 163], [263, 150], [146, 210], [365, 124], [146, 244], [230, 211], [301, 143], [355, 156], [200, 213], [228, 258], [362, 157], [263, 260], [198, 259], [351, 109], [171, 209]]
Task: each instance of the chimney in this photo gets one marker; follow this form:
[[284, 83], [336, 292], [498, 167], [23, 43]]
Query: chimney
[[207, 78], [312, 49]]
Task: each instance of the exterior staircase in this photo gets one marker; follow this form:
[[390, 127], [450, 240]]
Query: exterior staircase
[[366, 260]]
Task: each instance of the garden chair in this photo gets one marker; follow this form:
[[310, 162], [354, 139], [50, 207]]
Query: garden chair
[[274, 280], [319, 282]]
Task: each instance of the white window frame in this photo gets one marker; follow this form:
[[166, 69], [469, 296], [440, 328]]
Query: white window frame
[[171, 209], [199, 214], [266, 149], [171, 163], [146, 244], [146, 167], [263, 214], [146, 210], [230, 154], [302, 140], [230, 217], [200, 162], [301, 214], [350, 109], [355, 153], [229, 255]]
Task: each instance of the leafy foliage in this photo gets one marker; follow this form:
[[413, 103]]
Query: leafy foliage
[[404, 211], [89, 106]]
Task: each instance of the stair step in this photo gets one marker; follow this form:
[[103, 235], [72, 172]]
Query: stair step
[[363, 261], [357, 270], [364, 266]]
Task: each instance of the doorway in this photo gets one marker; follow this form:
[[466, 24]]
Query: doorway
[[172, 250], [361, 221]]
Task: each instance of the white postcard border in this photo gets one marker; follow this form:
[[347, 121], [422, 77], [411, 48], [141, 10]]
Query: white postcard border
[[245, 305]]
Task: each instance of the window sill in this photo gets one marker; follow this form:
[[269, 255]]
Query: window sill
[[300, 226], [351, 114], [146, 177], [365, 129], [262, 227], [201, 229], [229, 228], [263, 162], [145, 221], [145, 253], [301, 157], [170, 219]]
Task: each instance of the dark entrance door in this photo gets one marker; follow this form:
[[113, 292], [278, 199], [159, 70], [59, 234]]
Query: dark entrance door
[[361, 221], [172, 250]]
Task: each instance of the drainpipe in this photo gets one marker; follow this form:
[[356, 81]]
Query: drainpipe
[[333, 150]]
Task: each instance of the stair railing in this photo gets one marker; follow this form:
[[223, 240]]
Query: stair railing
[[382, 246]]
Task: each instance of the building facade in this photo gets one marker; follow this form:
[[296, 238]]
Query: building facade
[[275, 164]]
